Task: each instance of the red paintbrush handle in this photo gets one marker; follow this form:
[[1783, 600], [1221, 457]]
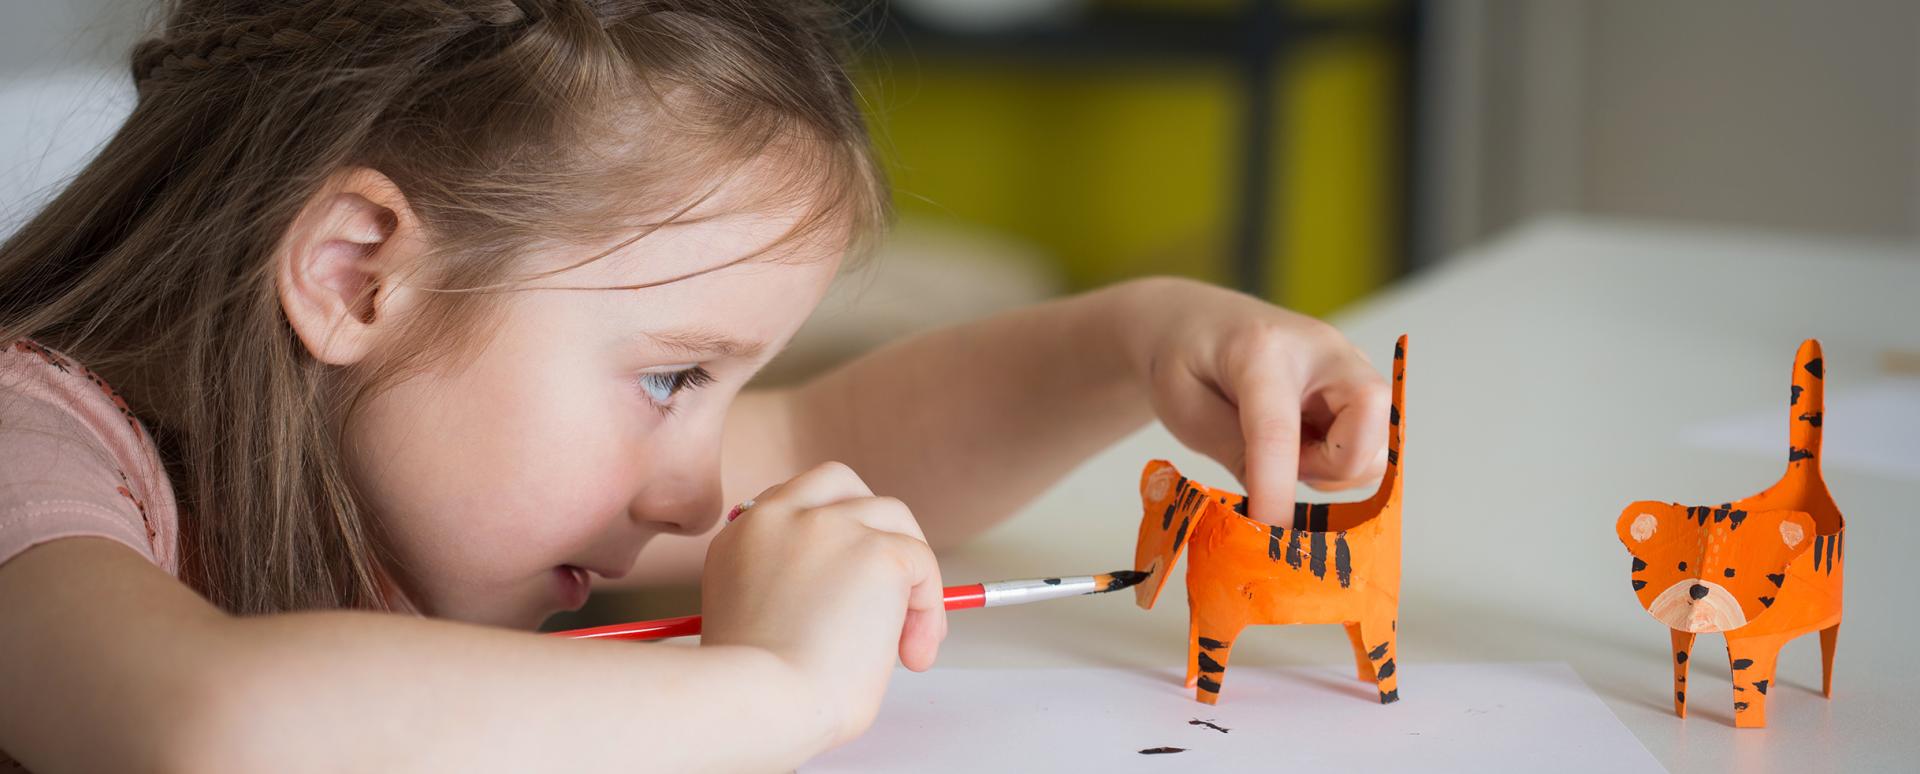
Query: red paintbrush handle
[[958, 598]]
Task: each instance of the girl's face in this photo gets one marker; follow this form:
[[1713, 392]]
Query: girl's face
[[588, 424]]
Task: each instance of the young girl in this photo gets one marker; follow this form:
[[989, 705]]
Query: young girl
[[443, 308]]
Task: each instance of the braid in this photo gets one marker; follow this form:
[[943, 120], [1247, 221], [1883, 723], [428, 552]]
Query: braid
[[305, 26]]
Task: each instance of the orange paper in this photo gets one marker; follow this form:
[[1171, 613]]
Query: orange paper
[[1337, 563], [1762, 570]]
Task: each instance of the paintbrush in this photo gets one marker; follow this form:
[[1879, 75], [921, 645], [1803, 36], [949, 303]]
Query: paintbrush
[[989, 594]]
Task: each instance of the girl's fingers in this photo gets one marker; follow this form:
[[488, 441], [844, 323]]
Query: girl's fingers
[[1269, 404], [824, 484], [926, 619], [886, 514], [1354, 448]]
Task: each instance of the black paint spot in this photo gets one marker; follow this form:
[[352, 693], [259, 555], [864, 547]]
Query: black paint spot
[[1742, 663], [1777, 578], [1053, 581], [1796, 396], [1679, 657], [1389, 697], [1761, 686], [1180, 538], [1719, 515], [1209, 684], [1680, 696], [1766, 601], [1735, 518], [1727, 572], [1343, 560], [1393, 415], [1378, 653], [1210, 643], [1162, 750], [1208, 724], [1795, 454], [1697, 592], [1317, 557], [1639, 584], [1817, 368], [1739, 706], [1681, 679], [1399, 351], [1207, 664], [1273, 541], [1683, 568], [1811, 418], [1639, 564], [1393, 456], [1386, 670]]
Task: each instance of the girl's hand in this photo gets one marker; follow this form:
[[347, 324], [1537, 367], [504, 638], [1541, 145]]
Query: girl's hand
[[1273, 395], [834, 581]]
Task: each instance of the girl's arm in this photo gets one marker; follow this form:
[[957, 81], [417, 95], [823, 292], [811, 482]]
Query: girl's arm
[[969, 423], [109, 664]]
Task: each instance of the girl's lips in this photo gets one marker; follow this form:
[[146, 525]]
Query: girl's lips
[[573, 584]]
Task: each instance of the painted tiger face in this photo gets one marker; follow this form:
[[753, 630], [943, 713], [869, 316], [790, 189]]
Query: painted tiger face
[[1707, 568]]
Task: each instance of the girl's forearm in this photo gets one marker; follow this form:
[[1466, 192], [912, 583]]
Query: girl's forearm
[[968, 424], [354, 691]]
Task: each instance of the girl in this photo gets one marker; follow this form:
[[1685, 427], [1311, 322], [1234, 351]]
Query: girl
[[443, 307]]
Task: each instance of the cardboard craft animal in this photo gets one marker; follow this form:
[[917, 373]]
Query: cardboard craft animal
[[1762, 570], [1337, 563]]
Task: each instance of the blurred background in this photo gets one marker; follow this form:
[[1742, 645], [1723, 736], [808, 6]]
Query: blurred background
[[1312, 152], [1307, 151]]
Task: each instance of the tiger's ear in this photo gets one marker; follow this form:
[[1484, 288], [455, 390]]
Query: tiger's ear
[[1643, 521]]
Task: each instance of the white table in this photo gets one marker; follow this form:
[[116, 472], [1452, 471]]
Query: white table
[[1547, 378]]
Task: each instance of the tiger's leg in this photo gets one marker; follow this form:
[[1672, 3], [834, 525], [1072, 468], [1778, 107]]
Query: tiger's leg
[[1682, 647], [1360, 660], [1212, 644], [1829, 637], [1377, 630], [1752, 660]]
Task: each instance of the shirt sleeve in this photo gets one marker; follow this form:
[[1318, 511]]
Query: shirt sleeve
[[61, 474]]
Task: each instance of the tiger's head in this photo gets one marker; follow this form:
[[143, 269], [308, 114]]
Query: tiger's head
[[1710, 568]]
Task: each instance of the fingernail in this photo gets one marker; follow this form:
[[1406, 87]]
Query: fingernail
[[739, 509]]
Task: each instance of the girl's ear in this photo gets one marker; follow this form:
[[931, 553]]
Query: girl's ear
[[337, 269]]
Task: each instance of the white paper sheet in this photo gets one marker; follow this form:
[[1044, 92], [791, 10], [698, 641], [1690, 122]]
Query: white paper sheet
[[1873, 427], [1451, 717]]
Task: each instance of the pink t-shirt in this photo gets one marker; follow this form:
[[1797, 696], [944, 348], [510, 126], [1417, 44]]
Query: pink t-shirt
[[75, 462]]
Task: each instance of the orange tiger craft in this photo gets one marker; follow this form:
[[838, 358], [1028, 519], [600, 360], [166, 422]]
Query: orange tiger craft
[[1338, 563], [1762, 570]]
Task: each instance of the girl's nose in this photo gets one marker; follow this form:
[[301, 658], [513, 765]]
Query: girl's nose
[[681, 506]]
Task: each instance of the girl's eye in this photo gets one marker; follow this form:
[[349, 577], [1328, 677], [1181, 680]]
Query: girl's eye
[[661, 387]]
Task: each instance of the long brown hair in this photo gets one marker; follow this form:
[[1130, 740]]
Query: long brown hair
[[505, 123]]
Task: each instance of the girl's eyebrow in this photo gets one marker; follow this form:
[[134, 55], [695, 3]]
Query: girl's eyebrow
[[700, 341]]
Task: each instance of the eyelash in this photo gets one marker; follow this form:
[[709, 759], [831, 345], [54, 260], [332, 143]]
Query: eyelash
[[672, 383]]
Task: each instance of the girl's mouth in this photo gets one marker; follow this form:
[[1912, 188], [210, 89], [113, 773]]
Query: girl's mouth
[[572, 585]]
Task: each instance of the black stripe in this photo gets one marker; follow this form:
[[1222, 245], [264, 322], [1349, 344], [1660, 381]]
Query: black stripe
[[1317, 556], [1639, 584], [1393, 415], [1796, 396], [1299, 515], [1639, 564], [1318, 515], [1777, 578], [1742, 663], [1734, 518], [1393, 456], [1293, 549], [1796, 454], [1181, 536], [1378, 652], [1207, 664], [1210, 643], [1273, 541], [1830, 543], [1811, 418], [1389, 697], [1343, 560], [1819, 542], [1166, 519], [1817, 368], [1386, 670], [1209, 684]]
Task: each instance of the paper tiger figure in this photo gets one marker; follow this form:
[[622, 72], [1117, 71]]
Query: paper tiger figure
[[1762, 570], [1337, 563]]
